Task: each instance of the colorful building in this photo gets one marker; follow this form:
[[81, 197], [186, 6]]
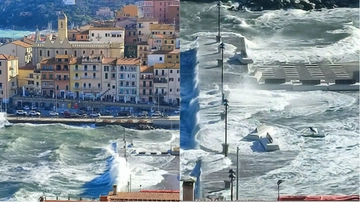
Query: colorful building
[[109, 79], [106, 41], [146, 89], [164, 29], [127, 11], [8, 74], [143, 28], [159, 9], [19, 49], [89, 72], [29, 78], [161, 83], [128, 70], [143, 50]]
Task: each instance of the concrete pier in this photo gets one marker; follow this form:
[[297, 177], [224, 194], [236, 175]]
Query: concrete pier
[[171, 122]]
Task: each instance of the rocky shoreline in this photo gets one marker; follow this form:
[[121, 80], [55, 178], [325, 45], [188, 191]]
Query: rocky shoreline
[[308, 5]]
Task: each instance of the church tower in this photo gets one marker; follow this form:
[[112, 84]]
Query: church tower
[[62, 26]]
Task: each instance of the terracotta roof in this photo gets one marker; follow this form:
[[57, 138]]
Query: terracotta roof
[[166, 66], [157, 36], [146, 69], [21, 43], [59, 56], [74, 61], [7, 57], [160, 52], [175, 51], [128, 61], [106, 28], [28, 67], [84, 32], [65, 201], [109, 61], [162, 27], [147, 20], [145, 196]]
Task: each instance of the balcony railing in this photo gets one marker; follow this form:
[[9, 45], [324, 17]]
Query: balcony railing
[[13, 87], [76, 78], [94, 89], [127, 70], [128, 86], [160, 75], [146, 86], [90, 77], [62, 70], [47, 86], [160, 80], [146, 78], [160, 94]]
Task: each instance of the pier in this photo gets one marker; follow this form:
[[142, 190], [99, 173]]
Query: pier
[[167, 123]]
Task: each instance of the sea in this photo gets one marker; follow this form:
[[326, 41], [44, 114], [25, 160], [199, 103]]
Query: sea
[[14, 34], [307, 166], [82, 161]]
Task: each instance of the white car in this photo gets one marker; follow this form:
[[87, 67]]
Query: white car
[[21, 112], [54, 114], [26, 108], [34, 113], [177, 111], [95, 115]]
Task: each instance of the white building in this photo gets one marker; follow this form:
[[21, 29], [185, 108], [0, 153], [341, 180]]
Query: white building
[[143, 28], [162, 84], [20, 49], [177, 43], [109, 79], [128, 77], [174, 84], [107, 34], [157, 57]]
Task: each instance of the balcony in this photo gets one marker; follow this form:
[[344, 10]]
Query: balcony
[[159, 94], [90, 77], [146, 78], [88, 89], [12, 76], [113, 69], [161, 75], [127, 70], [157, 80], [76, 78], [62, 70], [95, 70], [76, 69], [146, 86], [13, 87], [128, 86], [47, 86]]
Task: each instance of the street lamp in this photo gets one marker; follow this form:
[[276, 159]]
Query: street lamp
[[218, 37], [225, 145], [278, 188], [232, 176], [237, 173], [222, 47]]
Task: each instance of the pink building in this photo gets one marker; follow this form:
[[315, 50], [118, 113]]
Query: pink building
[[158, 9]]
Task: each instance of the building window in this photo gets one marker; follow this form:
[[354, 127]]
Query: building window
[[61, 25], [40, 53], [65, 52], [48, 53], [160, 58], [75, 53]]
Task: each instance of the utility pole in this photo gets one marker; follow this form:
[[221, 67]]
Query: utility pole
[[218, 37], [225, 145], [237, 173], [222, 47]]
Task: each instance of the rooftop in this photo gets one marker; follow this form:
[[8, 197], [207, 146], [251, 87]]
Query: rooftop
[[7, 57], [59, 56], [147, 20], [146, 69], [143, 43], [162, 27], [128, 61], [21, 43], [28, 67], [105, 28], [167, 66], [111, 61]]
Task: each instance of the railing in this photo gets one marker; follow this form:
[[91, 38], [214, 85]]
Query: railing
[[62, 70], [127, 70], [76, 78], [146, 78], [90, 77], [160, 75], [160, 80], [129, 86], [160, 94]]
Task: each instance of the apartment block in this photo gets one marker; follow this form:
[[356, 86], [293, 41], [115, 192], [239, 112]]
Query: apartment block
[[146, 89], [29, 78], [128, 71], [109, 79], [8, 74]]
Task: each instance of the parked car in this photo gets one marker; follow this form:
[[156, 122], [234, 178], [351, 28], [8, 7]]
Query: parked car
[[71, 115], [53, 113], [34, 113], [26, 108], [95, 115], [21, 112], [123, 113], [177, 111]]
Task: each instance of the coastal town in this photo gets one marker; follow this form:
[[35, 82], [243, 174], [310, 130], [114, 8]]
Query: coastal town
[[131, 59]]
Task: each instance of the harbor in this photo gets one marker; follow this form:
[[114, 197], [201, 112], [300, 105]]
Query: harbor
[[166, 123]]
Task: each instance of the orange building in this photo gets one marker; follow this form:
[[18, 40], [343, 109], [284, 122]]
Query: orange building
[[55, 75], [174, 15], [128, 11]]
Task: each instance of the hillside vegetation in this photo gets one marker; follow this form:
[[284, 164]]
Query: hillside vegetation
[[28, 14]]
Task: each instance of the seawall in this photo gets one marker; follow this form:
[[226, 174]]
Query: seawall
[[171, 122]]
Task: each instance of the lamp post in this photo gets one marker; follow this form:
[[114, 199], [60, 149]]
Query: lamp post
[[232, 176], [222, 47], [237, 173], [278, 188], [218, 37], [225, 145]]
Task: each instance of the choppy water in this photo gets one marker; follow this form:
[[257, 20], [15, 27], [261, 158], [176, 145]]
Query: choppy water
[[61, 160], [7, 33], [309, 166]]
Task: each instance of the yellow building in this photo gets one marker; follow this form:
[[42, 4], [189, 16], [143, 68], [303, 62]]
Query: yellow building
[[128, 11], [74, 76], [29, 79], [167, 83], [173, 57], [8, 74], [165, 29], [110, 43]]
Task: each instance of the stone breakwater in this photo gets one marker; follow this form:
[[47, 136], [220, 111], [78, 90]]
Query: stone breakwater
[[141, 124]]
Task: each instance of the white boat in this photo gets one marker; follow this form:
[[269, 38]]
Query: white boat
[[269, 144], [311, 132], [260, 132]]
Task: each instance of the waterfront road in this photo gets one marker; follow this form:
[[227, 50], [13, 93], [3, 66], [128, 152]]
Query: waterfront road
[[17, 99]]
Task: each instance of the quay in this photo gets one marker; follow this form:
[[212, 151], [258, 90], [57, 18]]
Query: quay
[[166, 123]]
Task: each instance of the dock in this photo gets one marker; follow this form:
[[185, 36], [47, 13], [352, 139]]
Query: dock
[[169, 122]]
